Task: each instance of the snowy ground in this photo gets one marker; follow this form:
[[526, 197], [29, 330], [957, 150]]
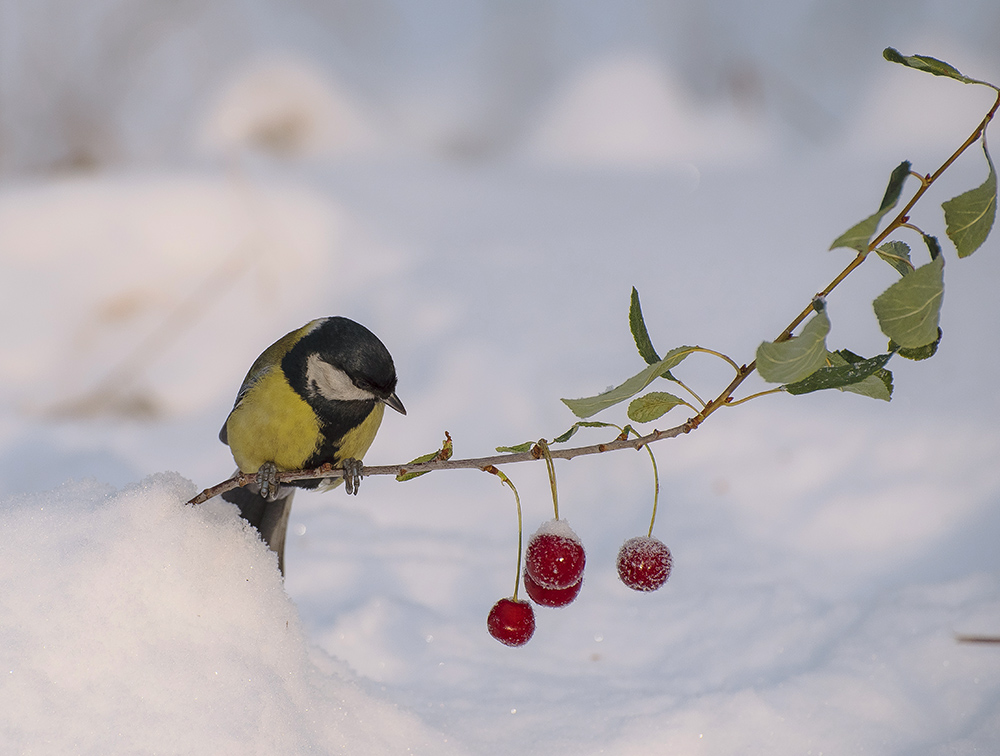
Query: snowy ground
[[827, 548]]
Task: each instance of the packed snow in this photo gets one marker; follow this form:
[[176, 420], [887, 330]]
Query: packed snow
[[828, 549]]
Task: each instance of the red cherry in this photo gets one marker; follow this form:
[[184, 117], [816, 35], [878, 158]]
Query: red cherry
[[551, 596], [511, 622], [555, 557], [644, 563]]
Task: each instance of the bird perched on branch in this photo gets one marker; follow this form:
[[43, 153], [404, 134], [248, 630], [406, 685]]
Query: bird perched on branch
[[315, 396]]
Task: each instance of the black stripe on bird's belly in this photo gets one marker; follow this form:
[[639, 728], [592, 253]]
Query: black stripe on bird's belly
[[336, 420]]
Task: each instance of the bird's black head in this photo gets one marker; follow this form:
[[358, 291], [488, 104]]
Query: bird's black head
[[341, 361]]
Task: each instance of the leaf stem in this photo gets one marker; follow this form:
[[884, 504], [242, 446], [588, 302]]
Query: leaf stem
[[691, 391], [734, 402], [720, 355]]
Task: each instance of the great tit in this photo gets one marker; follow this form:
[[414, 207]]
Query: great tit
[[314, 396]]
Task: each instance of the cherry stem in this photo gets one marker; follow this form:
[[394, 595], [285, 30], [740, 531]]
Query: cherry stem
[[520, 528], [550, 466], [656, 489]]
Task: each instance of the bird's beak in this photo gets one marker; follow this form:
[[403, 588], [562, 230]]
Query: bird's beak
[[393, 401]]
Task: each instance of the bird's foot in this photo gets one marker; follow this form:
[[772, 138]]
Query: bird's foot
[[267, 480], [353, 472]]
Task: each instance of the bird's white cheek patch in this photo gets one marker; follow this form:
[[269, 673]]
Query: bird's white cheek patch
[[332, 383]]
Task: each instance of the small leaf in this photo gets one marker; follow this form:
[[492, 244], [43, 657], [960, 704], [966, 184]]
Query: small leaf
[[655, 404], [845, 369], [933, 246], [517, 449], [859, 235], [591, 405], [792, 360], [969, 216], [918, 353], [908, 311], [639, 332], [445, 452], [925, 63], [896, 180], [876, 386], [581, 424], [897, 254]]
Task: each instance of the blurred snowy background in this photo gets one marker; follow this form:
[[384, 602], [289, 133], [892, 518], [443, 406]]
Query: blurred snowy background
[[481, 184]]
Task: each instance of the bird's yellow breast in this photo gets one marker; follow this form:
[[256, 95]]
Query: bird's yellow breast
[[272, 423], [356, 441]]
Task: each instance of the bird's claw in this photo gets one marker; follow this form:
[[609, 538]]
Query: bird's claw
[[353, 472], [267, 481]]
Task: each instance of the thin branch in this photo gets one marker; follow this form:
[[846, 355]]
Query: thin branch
[[479, 463], [723, 399], [977, 638], [901, 219]]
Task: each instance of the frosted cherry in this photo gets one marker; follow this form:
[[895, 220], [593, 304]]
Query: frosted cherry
[[511, 621], [555, 558], [644, 563], [551, 596]]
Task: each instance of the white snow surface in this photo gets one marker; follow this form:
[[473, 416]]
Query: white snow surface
[[828, 549], [134, 624]]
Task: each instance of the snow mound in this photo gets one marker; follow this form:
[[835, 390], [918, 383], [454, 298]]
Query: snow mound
[[141, 263], [289, 108], [135, 624], [628, 112]]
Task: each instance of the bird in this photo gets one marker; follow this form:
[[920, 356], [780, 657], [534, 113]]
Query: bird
[[317, 395]]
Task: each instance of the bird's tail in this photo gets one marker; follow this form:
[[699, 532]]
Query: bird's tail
[[269, 517]]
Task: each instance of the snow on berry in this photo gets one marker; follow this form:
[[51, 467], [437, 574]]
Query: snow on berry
[[555, 558], [644, 563]]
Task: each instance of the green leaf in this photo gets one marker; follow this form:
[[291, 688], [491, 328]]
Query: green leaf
[[908, 311], [639, 332], [845, 369], [969, 216], [896, 180], [655, 404], [933, 246], [918, 353], [897, 254], [591, 405], [876, 386], [926, 63], [516, 449], [445, 452], [859, 235], [792, 360], [581, 424]]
